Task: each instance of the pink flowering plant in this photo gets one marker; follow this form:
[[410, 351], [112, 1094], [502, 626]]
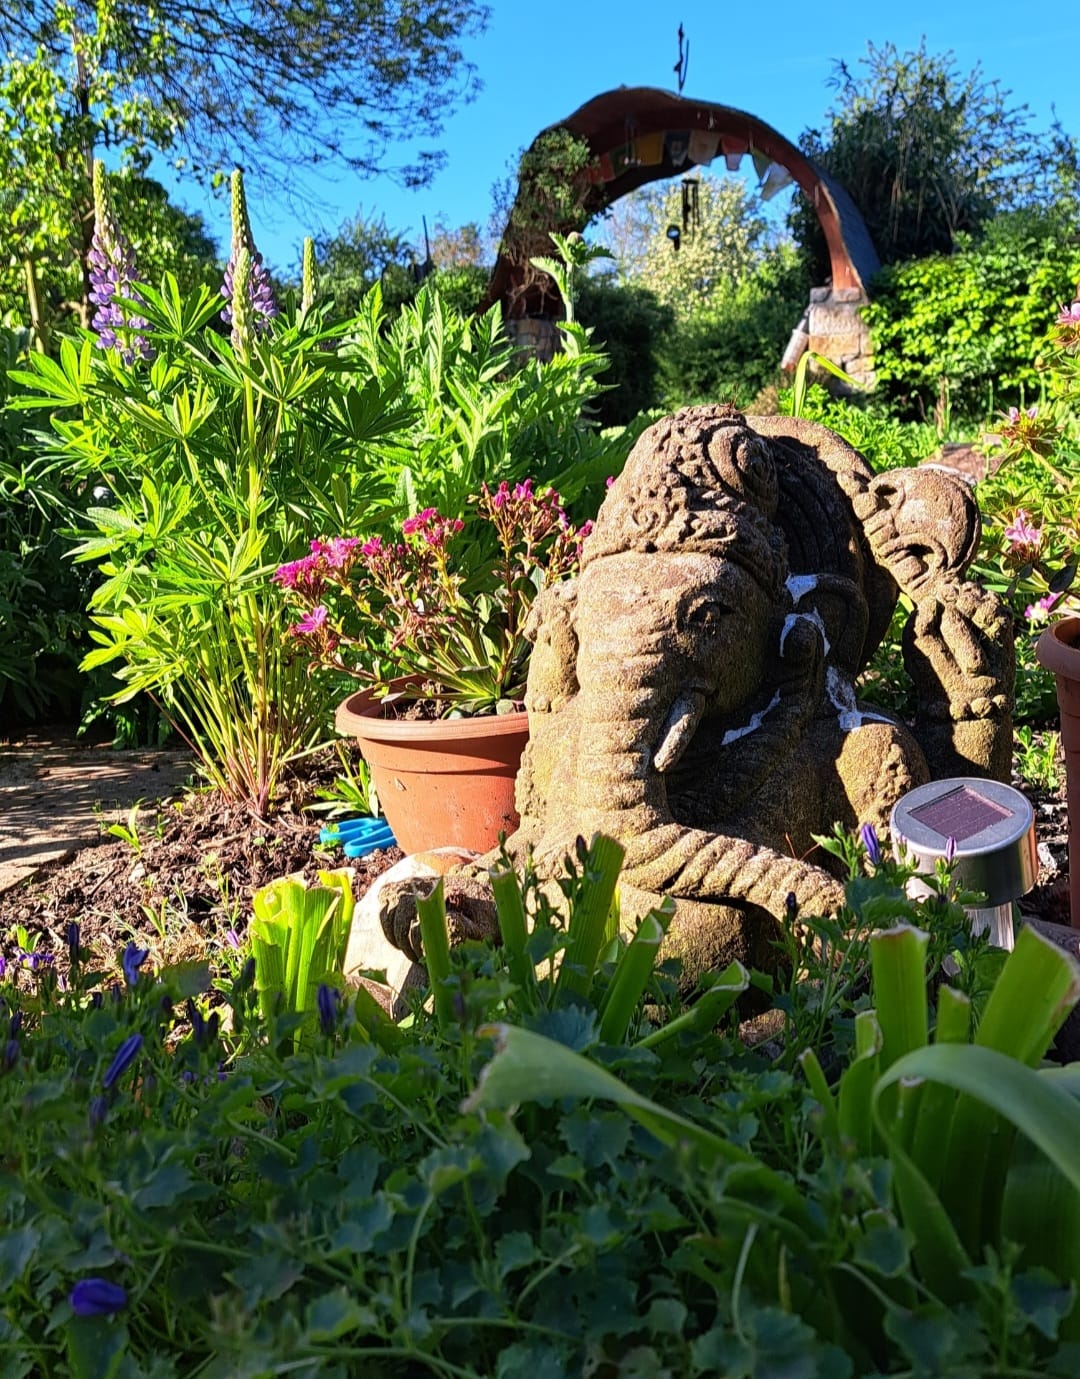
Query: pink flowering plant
[[440, 613]]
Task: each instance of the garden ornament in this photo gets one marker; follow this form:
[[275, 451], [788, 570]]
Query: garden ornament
[[691, 692]]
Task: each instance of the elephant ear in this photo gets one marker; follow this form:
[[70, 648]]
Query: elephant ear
[[820, 478]]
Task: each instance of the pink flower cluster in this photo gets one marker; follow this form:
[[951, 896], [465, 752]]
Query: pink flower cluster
[[1040, 610], [1067, 328], [1023, 539], [383, 608]]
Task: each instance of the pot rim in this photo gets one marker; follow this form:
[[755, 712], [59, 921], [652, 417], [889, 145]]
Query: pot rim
[[360, 715], [1058, 649]]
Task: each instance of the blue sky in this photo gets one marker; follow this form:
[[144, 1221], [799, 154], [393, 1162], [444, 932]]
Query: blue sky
[[540, 60]]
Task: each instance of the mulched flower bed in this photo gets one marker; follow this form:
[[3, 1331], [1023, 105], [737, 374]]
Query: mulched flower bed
[[185, 884], [191, 877]]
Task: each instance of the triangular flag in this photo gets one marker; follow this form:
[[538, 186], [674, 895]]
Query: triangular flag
[[761, 162], [776, 179], [733, 161], [703, 146]]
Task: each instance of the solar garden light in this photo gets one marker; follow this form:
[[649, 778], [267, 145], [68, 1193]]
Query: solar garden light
[[992, 827]]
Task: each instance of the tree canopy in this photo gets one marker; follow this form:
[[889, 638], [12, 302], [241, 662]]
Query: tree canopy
[[263, 86], [926, 152]]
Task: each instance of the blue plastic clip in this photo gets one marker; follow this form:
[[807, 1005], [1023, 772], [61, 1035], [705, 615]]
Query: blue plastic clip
[[360, 836]]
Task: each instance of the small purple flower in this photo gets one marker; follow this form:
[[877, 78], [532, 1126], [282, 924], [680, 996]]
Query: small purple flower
[[1040, 610], [232, 938], [11, 1055], [3, 965], [96, 1111], [950, 849], [122, 1060], [327, 999], [791, 905], [97, 1297], [869, 840], [132, 960], [72, 936], [311, 623]]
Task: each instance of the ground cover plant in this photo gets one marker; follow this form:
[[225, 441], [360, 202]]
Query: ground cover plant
[[548, 1167]]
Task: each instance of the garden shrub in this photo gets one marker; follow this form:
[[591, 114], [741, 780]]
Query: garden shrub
[[731, 350], [630, 325], [960, 332], [222, 458]]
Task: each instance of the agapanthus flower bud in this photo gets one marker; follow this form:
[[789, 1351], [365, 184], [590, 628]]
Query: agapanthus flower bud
[[327, 999], [869, 840], [72, 936], [131, 961], [950, 849], [97, 1297], [112, 274], [96, 1111], [122, 1060], [10, 1056]]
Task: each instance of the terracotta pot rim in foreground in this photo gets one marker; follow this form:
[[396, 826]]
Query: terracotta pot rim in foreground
[[1058, 649], [361, 714]]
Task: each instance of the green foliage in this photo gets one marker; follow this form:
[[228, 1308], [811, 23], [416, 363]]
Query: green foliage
[[868, 426], [299, 935], [362, 253], [630, 325], [470, 1199], [964, 329], [719, 252], [925, 152], [214, 83], [42, 597], [731, 350], [547, 196]]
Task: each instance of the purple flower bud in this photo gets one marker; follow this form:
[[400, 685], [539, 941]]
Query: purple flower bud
[[72, 936], [132, 960], [232, 938], [97, 1297], [122, 1060], [3, 965], [791, 905], [326, 999], [96, 1111], [869, 840], [11, 1054], [95, 1000], [950, 849], [15, 1024]]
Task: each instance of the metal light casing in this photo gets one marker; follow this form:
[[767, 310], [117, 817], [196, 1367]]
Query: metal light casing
[[992, 827]]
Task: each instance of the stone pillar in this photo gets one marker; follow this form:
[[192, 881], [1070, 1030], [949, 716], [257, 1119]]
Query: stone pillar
[[835, 328]]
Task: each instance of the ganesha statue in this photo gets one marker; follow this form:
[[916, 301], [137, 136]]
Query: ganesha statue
[[692, 692]]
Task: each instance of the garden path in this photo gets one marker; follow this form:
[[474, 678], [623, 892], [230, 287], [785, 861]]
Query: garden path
[[58, 795]]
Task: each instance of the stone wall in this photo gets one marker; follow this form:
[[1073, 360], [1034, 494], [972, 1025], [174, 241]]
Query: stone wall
[[832, 326]]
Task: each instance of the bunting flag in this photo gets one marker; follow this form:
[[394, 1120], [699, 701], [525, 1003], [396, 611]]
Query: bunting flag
[[733, 161], [761, 162], [623, 158], [703, 146], [677, 147], [601, 170], [776, 179], [649, 149]]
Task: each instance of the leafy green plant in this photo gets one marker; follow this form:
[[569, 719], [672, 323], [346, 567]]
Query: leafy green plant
[[299, 935], [232, 1202], [1037, 757]]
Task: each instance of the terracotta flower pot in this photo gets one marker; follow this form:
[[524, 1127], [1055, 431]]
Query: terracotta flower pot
[[1059, 651], [447, 783]]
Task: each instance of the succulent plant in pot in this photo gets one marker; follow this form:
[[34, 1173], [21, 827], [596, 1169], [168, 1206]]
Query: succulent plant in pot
[[434, 626]]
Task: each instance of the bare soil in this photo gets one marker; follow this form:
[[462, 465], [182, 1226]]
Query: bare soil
[[182, 879]]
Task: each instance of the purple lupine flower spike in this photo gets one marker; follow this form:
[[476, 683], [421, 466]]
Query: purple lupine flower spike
[[112, 274], [260, 292]]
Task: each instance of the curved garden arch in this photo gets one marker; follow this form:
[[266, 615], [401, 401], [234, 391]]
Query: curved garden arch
[[637, 135]]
